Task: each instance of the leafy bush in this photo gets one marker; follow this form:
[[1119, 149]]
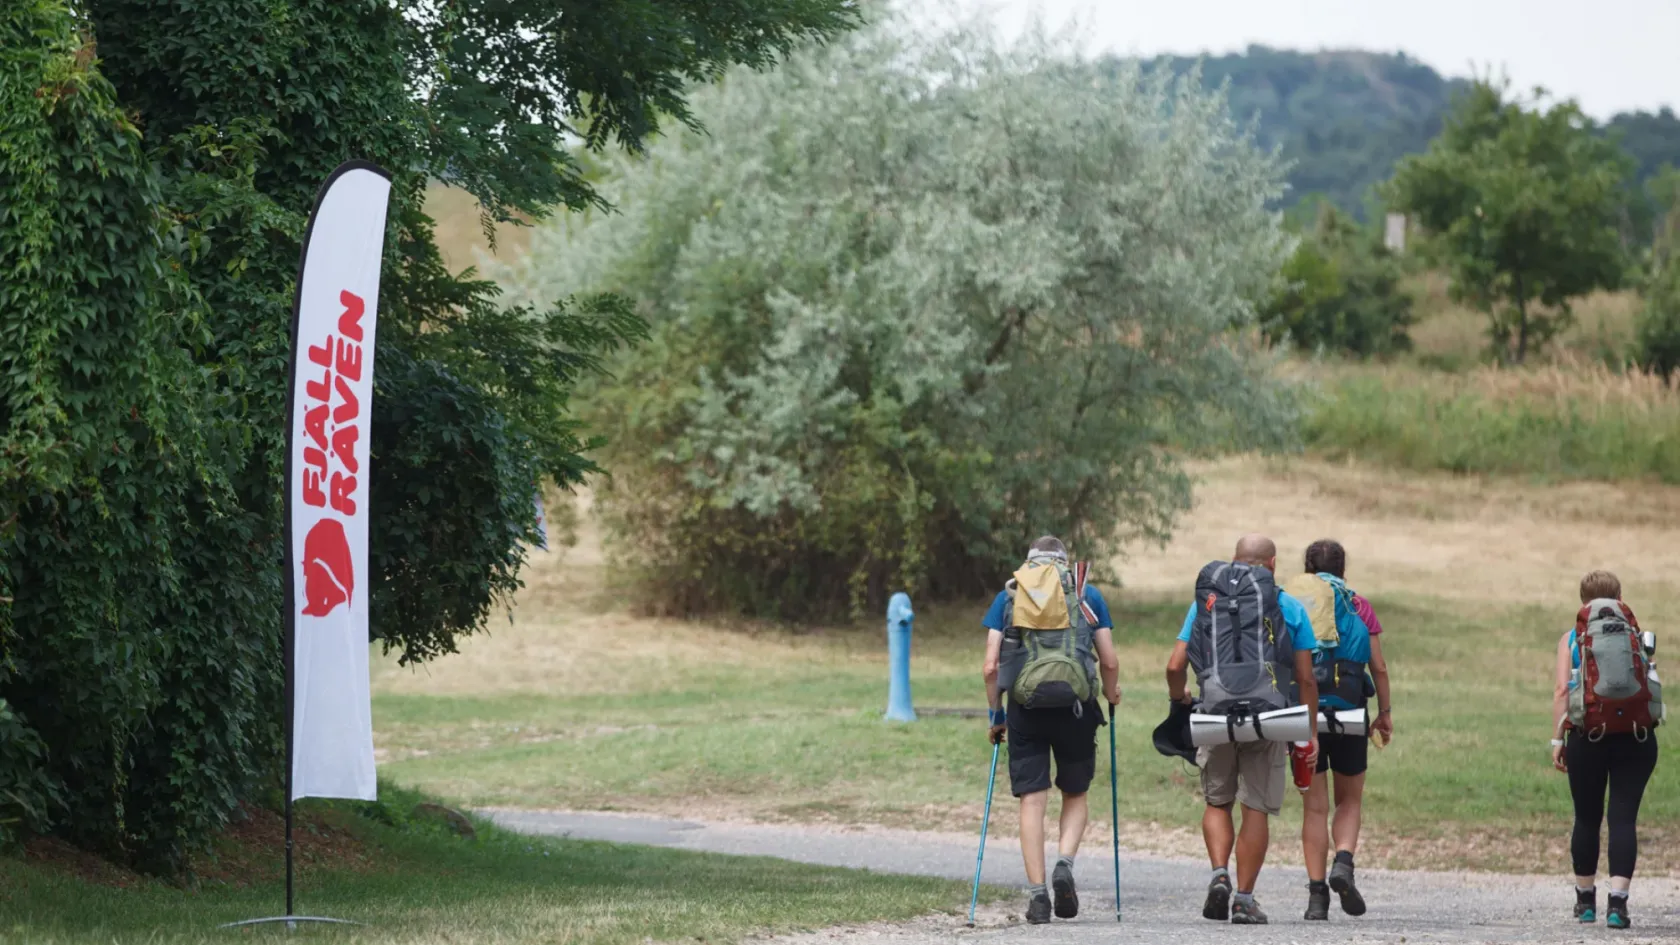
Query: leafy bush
[[1524, 204], [1657, 347], [106, 492], [1341, 291], [145, 296], [1659, 324], [914, 304]]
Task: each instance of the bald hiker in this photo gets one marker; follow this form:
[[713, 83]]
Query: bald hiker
[[1247, 641]]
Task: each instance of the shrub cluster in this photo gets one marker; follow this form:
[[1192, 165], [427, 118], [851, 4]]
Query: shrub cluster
[[914, 303]]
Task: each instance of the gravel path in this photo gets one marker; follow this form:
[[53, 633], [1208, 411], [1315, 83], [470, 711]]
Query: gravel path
[[1162, 897]]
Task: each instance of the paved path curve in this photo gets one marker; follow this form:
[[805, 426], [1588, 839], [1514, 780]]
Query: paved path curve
[[1162, 896]]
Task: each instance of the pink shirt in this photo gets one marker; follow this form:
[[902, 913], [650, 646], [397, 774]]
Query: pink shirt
[[1362, 607]]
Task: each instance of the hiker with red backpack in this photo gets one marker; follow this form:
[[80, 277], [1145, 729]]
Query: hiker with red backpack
[[1608, 704], [1350, 668], [1049, 638], [1246, 640]]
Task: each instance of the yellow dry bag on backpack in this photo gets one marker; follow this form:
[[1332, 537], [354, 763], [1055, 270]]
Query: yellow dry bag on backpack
[[1041, 603], [1318, 596], [1048, 659]]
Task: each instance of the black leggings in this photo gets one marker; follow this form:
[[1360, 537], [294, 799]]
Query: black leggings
[[1625, 763]]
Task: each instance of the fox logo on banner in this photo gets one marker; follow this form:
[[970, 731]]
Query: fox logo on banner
[[327, 486]]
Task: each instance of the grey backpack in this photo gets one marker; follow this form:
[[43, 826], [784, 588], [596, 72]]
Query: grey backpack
[[1239, 647]]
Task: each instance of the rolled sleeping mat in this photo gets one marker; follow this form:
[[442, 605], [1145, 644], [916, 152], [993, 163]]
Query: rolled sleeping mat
[[1348, 722], [1293, 724]]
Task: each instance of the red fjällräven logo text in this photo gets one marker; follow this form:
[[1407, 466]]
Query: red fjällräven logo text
[[329, 458]]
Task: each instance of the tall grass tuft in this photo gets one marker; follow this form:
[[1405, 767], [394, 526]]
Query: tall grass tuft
[[1563, 421]]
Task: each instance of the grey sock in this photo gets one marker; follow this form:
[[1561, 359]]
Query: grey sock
[[1067, 859], [1588, 890], [1219, 871], [1246, 898], [1033, 892], [1618, 895]]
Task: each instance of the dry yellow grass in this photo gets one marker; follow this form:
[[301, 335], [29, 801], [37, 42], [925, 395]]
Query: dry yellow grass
[[460, 235], [566, 629], [1433, 535], [1497, 542], [1567, 380], [1603, 321]]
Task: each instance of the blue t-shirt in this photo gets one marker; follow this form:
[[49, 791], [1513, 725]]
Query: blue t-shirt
[[1294, 617], [1093, 599], [1355, 642]]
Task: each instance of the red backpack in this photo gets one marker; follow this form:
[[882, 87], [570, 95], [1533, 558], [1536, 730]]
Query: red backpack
[[1613, 691]]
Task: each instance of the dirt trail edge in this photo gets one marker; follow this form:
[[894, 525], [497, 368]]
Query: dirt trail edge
[[1162, 896]]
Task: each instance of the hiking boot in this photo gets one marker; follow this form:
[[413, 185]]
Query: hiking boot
[[1341, 880], [1586, 906], [1038, 909], [1615, 913], [1218, 904], [1247, 913], [1067, 898], [1318, 902]]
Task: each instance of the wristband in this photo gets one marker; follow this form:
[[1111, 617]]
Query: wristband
[[1557, 743], [998, 716], [1383, 712]]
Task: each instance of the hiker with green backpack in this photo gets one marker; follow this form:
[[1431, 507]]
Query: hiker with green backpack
[[1350, 668], [1048, 639], [1607, 706]]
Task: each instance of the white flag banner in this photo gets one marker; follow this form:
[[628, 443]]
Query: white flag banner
[[331, 733]]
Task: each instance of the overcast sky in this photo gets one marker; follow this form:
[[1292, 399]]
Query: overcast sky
[[1610, 55]]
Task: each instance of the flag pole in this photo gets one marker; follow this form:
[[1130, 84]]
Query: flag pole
[[290, 709]]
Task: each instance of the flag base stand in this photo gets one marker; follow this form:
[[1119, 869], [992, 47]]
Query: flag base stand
[[290, 920]]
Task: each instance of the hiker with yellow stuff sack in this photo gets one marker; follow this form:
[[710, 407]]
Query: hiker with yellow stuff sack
[[1048, 636], [1349, 644]]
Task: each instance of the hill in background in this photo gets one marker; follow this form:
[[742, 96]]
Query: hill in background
[[1344, 117]]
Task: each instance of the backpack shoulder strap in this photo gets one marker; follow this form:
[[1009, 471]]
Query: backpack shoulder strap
[[1081, 571], [1072, 586]]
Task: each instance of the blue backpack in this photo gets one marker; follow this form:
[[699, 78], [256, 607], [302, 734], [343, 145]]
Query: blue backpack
[[1344, 642]]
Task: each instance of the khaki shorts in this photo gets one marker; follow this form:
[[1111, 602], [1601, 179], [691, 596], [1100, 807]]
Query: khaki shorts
[[1250, 773]]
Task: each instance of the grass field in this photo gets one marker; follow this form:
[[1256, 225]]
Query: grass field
[[423, 884], [1575, 412], [580, 704], [1556, 422], [1449, 334]]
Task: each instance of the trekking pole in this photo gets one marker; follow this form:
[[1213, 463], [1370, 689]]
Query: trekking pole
[[1114, 802], [985, 822]]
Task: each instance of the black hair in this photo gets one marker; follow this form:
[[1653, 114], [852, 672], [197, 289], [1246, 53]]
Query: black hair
[[1327, 556]]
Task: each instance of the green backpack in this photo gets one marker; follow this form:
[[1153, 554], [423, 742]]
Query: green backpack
[[1048, 647]]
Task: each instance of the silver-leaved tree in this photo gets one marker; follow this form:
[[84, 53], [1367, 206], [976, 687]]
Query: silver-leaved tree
[[917, 299]]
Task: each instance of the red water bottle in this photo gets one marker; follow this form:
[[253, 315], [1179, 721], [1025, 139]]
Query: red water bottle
[[1299, 766]]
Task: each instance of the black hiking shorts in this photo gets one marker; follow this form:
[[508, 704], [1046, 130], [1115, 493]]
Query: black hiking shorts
[[1343, 754], [1037, 734]]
